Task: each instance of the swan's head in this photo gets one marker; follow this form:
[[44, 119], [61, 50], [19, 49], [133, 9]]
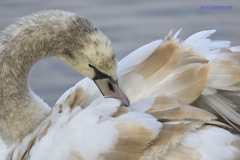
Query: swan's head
[[90, 52]]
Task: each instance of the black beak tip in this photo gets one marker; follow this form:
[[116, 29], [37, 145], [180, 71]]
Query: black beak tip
[[126, 103]]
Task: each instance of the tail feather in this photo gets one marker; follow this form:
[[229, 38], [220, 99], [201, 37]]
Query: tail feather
[[223, 108], [232, 97]]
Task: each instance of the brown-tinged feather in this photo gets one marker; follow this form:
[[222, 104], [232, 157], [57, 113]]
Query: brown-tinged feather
[[10, 154], [165, 108], [75, 155], [163, 60], [186, 84], [26, 155], [223, 74], [181, 152], [133, 139], [163, 103], [218, 123], [168, 138], [121, 110], [188, 56], [76, 97], [236, 144], [182, 113]]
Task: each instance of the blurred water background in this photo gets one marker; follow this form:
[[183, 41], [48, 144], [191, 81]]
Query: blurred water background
[[129, 24]]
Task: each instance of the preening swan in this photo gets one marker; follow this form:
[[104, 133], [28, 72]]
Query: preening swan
[[48, 33], [163, 80]]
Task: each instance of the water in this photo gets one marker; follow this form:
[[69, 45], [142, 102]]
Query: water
[[128, 23]]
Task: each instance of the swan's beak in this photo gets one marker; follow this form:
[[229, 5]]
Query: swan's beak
[[110, 88]]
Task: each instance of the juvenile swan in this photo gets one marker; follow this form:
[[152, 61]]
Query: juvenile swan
[[73, 39]]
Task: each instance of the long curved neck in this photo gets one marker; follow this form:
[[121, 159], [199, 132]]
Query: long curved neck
[[20, 109], [22, 45], [15, 67]]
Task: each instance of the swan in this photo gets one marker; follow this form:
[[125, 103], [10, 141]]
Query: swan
[[162, 81], [73, 39]]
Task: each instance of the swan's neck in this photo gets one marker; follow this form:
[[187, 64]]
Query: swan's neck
[[20, 109], [22, 45]]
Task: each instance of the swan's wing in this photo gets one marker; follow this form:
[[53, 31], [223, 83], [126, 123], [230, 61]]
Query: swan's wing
[[197, 70], [221, 95], [170, 70]]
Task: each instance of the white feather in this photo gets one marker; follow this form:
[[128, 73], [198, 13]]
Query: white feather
[[142, 106], [235, 49], [146, 120], [3, 146], [212, 142], [136, 57], [177, 33]]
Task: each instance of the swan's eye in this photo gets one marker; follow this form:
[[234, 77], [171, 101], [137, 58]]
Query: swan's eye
[[110, 86], [90, 66], [68, 53]]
